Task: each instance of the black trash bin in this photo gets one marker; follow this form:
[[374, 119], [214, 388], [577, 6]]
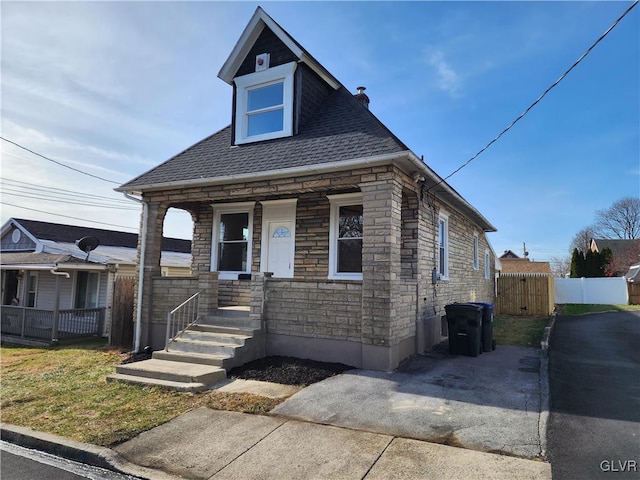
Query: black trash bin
[[465, 328], [488, 343]]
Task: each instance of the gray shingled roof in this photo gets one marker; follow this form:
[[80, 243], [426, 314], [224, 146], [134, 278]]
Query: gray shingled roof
[[341, 129], [58, 232]]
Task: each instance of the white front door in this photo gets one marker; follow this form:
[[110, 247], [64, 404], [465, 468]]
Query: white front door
[[280, 248]]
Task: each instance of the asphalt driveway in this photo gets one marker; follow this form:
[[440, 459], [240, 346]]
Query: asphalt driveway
[[490, 403], [594, 374]]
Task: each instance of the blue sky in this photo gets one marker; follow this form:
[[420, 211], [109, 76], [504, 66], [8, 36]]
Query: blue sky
[[116, 88]]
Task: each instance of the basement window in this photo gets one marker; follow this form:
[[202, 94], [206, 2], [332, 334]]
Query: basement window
[[264, 104]]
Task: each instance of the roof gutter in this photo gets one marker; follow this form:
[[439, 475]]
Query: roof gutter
[[438, 181], [143, 248]]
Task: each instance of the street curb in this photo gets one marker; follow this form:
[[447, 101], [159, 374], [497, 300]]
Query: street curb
[[543, 418], [86, 453]]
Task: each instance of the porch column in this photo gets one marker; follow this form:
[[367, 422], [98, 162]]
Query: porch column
[[381, 268], [208, 285], [152, 252]]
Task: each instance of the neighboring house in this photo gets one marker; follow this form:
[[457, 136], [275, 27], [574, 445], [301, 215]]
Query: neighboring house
[[523, 265], [633, 274], [508, 254], [625, 253], [43, 267], [365, 243]]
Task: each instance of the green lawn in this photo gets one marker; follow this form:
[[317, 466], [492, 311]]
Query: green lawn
[[521, 331], [63, 390], [579, 309]]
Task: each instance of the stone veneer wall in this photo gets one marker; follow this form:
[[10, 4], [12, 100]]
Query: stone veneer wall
[[168, 293], [401, 231], [465, 284], [316, 309], [234, 292]]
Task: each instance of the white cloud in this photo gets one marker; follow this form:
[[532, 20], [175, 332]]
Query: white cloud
[[446, 78]]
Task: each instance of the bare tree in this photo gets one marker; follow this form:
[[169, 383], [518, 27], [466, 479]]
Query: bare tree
[[560, 266], [582, 239], [621, 220]]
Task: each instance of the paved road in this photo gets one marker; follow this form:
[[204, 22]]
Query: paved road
[[594, 375], [17, 463]]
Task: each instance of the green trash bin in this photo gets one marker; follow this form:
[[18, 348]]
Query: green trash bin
[[465, 328]]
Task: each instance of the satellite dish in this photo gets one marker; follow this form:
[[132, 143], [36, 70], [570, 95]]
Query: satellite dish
[[87, 244]]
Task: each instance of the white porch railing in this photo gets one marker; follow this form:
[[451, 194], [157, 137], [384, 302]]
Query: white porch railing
[[182, 317], [41, 324]]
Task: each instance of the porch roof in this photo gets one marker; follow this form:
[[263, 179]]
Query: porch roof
[[44, 261]]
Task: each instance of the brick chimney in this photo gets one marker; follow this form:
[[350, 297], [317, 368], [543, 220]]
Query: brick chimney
[[362, 97]]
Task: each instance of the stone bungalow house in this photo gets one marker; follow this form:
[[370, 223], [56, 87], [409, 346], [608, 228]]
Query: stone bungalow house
[[343, 242]]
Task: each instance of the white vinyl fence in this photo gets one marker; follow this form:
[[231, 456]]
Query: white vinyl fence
[[608, 290]]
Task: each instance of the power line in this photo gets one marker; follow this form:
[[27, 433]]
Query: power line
[[553, 85], [59, 191], [18, 193], [67, 216], [57, 162]]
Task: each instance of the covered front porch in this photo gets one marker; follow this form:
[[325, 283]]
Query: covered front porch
[[333, 265], [28, 325]]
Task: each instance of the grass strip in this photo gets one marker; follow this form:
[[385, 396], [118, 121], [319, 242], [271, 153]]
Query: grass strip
[[63, 390]]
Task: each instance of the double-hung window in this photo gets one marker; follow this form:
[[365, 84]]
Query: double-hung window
[[487, 265], [87, 289], [233, 227], [345, 236], [32, 290], [476, 253], [443, 245], [264, 104]]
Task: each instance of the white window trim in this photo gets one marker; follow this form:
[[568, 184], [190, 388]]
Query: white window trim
[[281, 73], [337, 201], [218, 210], [444, 271], [487, 264], [25, 299], [476, 251]]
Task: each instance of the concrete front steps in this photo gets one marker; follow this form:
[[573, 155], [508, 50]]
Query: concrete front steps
[[200, 356]]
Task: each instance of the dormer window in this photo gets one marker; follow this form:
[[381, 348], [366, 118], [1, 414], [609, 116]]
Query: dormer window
[[264, 104]]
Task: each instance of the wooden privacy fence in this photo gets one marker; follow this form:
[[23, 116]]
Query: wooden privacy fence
[[634, 293], [122, 312], [526, 294]]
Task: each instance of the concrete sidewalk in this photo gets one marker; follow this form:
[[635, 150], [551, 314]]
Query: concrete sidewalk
[[205, 444], [211, 444]]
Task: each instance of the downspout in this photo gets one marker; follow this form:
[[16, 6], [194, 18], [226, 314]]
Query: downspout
[[56, 312], [143, 248]]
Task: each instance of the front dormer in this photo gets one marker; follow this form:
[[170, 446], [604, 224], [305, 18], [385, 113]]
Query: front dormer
[[264, 103], [276, 83]]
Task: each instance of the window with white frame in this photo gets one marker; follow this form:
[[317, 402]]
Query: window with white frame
[[32, 290], [87, 290], [264, 104], [232, 233], [487, 265], [345, 236], [443, 245], [476, 253]]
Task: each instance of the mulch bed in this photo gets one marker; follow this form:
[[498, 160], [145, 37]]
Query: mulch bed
[[288, 370], [275, 369]]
